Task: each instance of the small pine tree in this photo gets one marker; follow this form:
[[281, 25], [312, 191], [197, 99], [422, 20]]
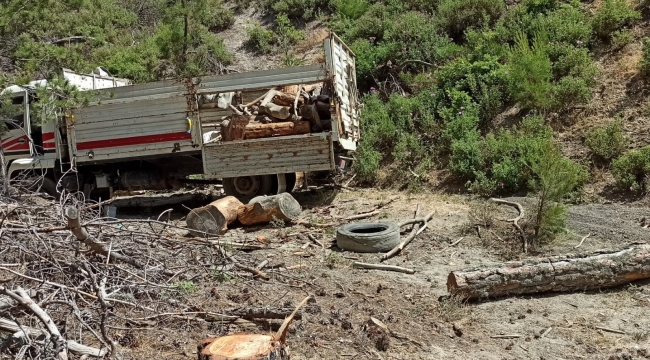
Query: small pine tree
[[557, 178]]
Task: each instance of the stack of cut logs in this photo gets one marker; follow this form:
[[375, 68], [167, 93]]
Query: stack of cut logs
[[292, 110], [214, 218]]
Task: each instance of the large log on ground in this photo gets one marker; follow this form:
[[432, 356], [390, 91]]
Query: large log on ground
[[263, 209], [556, 274], [213, 218], [233, 128], [257, 131], [243, 346]]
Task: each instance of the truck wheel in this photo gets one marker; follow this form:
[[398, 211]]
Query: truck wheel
[[245, 188], [47, 186]]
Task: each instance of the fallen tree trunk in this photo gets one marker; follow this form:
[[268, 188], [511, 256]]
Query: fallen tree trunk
[[214, 218], [558, 274], [264, 209], [276, 129]]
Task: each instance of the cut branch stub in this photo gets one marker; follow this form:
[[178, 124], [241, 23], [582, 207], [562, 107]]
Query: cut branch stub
[[558, 274]]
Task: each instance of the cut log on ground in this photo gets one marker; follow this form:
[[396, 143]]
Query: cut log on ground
[[276, 111], [214, 218], [557, 274], [264, 209], [233, 128], [276, 129]]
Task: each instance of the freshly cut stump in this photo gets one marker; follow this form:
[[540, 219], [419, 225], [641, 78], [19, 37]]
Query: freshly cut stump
[[213, 218], [556, 274], [263, 209], [243, 347]]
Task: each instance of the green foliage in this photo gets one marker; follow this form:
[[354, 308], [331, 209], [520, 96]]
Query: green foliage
[[645, 58], [455, 17], [351, 9], [607, 143], [556, 178], [267, 41], [632, 170], [261, 39], [300, 9], [530, 77], [499, 162], [622, 38], [613, 15], [185, 287], [142, 40]]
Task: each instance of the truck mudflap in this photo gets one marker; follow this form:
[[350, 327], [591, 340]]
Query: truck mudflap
[[285, 154]]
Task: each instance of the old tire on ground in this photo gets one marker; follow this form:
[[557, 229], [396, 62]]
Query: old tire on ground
[[368, 237], [245, 188]]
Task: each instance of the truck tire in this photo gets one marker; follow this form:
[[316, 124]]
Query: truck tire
[[47, 186], [245, 188], [368, 237]]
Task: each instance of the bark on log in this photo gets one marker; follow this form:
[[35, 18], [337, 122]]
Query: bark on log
[[263, 209], [258, 131], [243, 346], [276, 111], [233, 128], [287, 99], [213, 218], [558, 274]]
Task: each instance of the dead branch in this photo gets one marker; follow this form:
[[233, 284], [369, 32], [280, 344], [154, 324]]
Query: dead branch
[[405, 242], [581, 241], [362, 216], [382, 267], [515, 221]]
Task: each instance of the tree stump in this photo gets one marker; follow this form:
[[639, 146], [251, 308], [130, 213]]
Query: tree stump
[[263, 209], [213, 218], [557, 274], [243, 347]]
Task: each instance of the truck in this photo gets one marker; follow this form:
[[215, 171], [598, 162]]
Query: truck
[[157, 135]]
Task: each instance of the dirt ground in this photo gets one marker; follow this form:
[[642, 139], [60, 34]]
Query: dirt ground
[[429, 325]]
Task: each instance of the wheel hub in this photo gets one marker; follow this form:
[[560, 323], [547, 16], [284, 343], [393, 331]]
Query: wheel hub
[[247, 185]]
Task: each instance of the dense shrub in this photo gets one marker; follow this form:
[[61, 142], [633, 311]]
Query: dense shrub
[[455, 17], [622, 38], [284, 36], [632, 170], [613, 15], [300, 9], [607, 143], [530, 73], [351, 9]]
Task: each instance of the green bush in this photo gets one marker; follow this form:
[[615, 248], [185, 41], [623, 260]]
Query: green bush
[[530, 73], [300, 9], [260, 39], [455, 17], [352, 9], [622, 38], [645, 58], [607, 143], [613, 15], [632, 170]]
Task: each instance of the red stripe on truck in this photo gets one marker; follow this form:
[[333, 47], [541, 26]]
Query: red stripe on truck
[[48, 141], [136, 140]]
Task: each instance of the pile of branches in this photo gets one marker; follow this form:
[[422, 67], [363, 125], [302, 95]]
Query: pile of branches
[[70, 278]]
